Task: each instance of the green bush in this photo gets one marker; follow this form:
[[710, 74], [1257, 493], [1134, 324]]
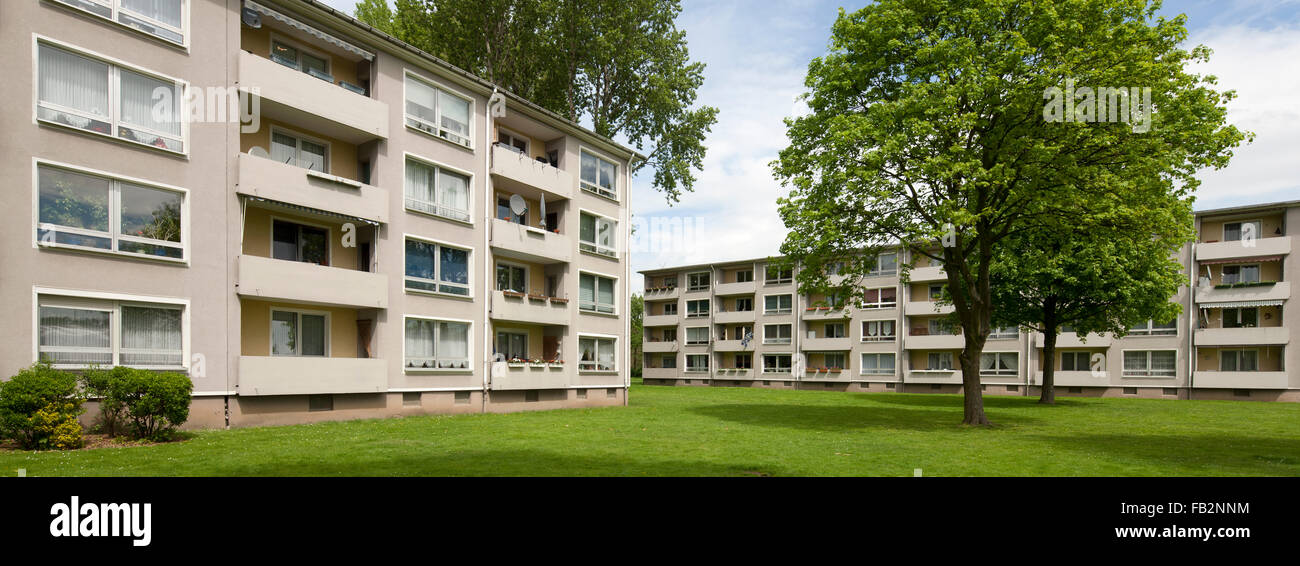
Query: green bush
[[153, 403], [39, 408], [98, 384]]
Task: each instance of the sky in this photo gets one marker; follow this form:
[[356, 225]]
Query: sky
[[757, 54]]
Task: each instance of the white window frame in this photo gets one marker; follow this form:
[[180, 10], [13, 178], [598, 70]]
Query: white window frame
[[691, 287], [1224, 228], [844, 329], [1238, 352], [501, 262], [596, 294], [329, 61], [1013, 333], [1148, 372], [877, 271], [737, 303], [436, 130], [690, 342], [698, 314], [862, 369], [597, 337], [596, 189], [298, 138], [593, 247], [750, 271], [270, 338], [329, 237], [778, 310], [778, 280], [469, 349], [514, 136], [469, 265], [116, 9], [778, 368], [997, 354], [879, 337], [952, 363], [434, 209], [778, 339], [1259, 272], [880, 304], [513, 331], [114, 215], [114, 99], [696, 368], [65, 298], [670, 304], [1150, 330]]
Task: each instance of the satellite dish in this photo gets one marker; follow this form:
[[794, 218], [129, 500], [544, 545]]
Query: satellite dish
[[259, 151], [251, 18], [518, 205]]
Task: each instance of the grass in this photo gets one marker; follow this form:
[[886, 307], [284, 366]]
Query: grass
[[689, 431]]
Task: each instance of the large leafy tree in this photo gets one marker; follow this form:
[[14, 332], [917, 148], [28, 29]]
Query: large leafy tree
[[638, 330], [927, 128], [621, 66]]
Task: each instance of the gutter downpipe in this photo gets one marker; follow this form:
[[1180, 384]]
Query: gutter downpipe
[[626, 219], [487, 248]]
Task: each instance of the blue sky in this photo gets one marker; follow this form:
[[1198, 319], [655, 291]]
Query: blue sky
[[757, 54]]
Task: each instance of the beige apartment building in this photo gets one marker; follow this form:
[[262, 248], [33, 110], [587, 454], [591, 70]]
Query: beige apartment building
[[744, 323], [383, 234]]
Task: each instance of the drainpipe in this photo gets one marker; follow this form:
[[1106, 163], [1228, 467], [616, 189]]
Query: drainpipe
[[1192, 314], [487, 249], [625, 217]]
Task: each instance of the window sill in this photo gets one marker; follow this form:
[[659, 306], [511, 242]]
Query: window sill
[[598, 313], [597, 193], [469, 297], [115, 139], [406, 121], [461, 371], [612, 256], [110, 253], [469, 222]]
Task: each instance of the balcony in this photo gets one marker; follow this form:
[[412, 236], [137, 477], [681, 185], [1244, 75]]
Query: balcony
[[1260, 247], [295, 281], [651, 347], [661, 320], [529, 243], [733, 346], [733, 373], [824, 313], [826, 344], [523, 174], [926, 274], [913, 308], [292, 375], [934, 342], [728, 289], [531, 309], [1077, 379], [1279, 291], [531, 376], [1254, 336], [659, 373], [295, 97], [734, 316], [1072, 340], [1240, 380], [263, 178], [660, 293], [939, 376]]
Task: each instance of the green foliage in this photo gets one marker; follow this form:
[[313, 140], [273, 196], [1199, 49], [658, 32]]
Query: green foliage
[[638, 332], [152, 403], [39, 406], [98, 383], [623, 66]]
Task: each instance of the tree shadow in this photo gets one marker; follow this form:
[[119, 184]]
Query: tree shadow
[[1199, 455], [836, 418], [948, 400]]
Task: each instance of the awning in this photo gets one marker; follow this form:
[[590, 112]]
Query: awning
[[309, 30], [1240, 304], [1240, 260], [312, 211]]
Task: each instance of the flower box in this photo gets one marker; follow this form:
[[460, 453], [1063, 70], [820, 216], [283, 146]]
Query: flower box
[[513, 294], [533, 297], [515, 364], [559, 300], [836, 370], [555, 365], [537, 364]]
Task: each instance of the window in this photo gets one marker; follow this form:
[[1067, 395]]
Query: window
[[778, 304], [776, 363], [512, 141], [878, 331], [436, 344], [291, 56], [939, 327], [883, 298], [697, 281], [432, 189], [938, 361], [438, 112], [164, 19], [1153, 363], [886, 264], [595, 293], [505, 212], [936, 291], [597, 175], [834, 361], [596, 235], [299, 333], [670, 335], [697, 362], [89, 94], [436, 268], [1241, 317], [696, 336], [670, 282], [744, 276], [999, 363], [298, 151], [81, 210], [512, 278], [1076, 361], [1236, 231], [670, 308], [512, 345], [80, 332], [835, 330], [742, 332], [596, 354], [1150, 328], [877, 364], [1238, 360], [669, 361], [697, 308], [1240, 274], [744, 361], [296, 242], [776, 333], [745, 304], [775, 275]]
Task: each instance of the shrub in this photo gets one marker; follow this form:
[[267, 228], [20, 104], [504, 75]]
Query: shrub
[[154, 403], [39, 405], [99, 383]]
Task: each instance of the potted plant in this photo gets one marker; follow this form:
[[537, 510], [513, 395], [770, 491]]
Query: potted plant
[[515, 362], [537, 363], [557, 363], [837, 370]]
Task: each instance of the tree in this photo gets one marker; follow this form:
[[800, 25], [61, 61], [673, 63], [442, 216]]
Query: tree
[[928, 129], [638, 331], [1118, 267], [623, 66]]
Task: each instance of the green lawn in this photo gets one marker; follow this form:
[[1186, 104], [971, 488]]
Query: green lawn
[[738, 432]]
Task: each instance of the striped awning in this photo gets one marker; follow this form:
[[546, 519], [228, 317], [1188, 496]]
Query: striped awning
[[1240, 304], [311, 211], [310, 30], [1240, 260]]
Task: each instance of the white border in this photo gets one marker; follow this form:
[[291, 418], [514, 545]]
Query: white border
[[469, 337], [406, 155], [184, 303], [469, 267]]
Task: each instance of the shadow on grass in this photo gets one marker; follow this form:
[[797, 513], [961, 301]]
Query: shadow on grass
[[1200, 455], [949, 401], [832, 418]]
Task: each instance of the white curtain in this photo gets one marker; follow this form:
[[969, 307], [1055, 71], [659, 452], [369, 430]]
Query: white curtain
[[419, 181], [453, 191], [419, 343], [138, 103], [1163, 362], [453, 343], [605, 354], [455, 113], [604, 233], [886, 363], [165, 11], [421, 100], [151, 337], [73, 81], [75, 336]]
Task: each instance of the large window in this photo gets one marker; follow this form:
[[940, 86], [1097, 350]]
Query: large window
[[697, 309], [697, 362], [999, 363], [78, 332], [1236, 231], [436, 344], [878, 331], [512, 277], [300, 59], [432, 189], [778, 304], [697, 281], [299, 151], [299, 333], [596, 354], [438, 111], [81, 210], [1151, 328], [88, 94], [883, 298], [437, 268], [939, 361], [596, 234], [886, 264], [835, 330], [776, 363], [696, 336], [834, 360], [877, 364], [595, 293], [297, 242], [1240, 274], [164, 19], [1241, 317], [1150, 363], [774, 275], [512, 344], [1076, 361], [776, 333], [598, 175], [744, 276], [1238, 360], [744, 304]]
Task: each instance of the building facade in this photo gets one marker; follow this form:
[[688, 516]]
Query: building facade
[[744, 323], [312, 219]]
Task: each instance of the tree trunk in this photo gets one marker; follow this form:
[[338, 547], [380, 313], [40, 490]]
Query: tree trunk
[[973, 397], [1048, 395]]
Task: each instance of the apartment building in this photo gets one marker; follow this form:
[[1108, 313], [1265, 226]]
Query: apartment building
[[382, 234], [743, 323]]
